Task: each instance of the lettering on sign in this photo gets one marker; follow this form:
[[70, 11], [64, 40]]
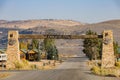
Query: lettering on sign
[[58, 36]]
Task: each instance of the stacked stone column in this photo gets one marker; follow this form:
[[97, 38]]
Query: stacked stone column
[[108, 58], [12, 49]]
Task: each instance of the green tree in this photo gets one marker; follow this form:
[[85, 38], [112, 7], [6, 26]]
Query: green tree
[[35, 44], [49, 46], [23, 45], [92, 47], [29, 46], [116, 46]]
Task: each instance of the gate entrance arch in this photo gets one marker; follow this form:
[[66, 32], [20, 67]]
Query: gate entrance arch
[[108, 59]]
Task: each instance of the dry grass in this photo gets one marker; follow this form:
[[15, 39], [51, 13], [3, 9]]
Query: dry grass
[[46, 67], [42, 65], [45, 64], [105, 72], [96, 69], [23, 64], [117, 64], [4, 75]]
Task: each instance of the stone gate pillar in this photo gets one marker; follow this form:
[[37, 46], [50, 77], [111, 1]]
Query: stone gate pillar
[[12, 49], [108, 58]]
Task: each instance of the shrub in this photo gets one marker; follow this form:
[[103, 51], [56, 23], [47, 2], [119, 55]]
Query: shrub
[[117, 64], [4, 75], [33, 67], [25, 62], [21, 64], [95, 69], [18, 64], [105, 72]]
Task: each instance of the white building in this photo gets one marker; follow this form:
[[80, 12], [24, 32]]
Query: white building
[[3, 57]]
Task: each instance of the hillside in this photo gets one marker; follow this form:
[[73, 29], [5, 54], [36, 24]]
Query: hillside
[[59, 27], [113, 25], [26, 24]]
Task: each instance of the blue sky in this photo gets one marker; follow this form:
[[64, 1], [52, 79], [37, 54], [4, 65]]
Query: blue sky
[[89, 11]]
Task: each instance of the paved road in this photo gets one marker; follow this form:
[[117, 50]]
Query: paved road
[[72, 69]]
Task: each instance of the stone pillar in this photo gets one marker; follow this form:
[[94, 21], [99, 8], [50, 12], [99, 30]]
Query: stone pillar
[[108, 58], [12, 49]]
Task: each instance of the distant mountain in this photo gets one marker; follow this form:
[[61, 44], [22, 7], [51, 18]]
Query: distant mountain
[[111, 22], [26, 24], [113, 25], [2, 21]]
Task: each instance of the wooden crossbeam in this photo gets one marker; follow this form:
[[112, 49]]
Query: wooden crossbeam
[[38, 36]]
